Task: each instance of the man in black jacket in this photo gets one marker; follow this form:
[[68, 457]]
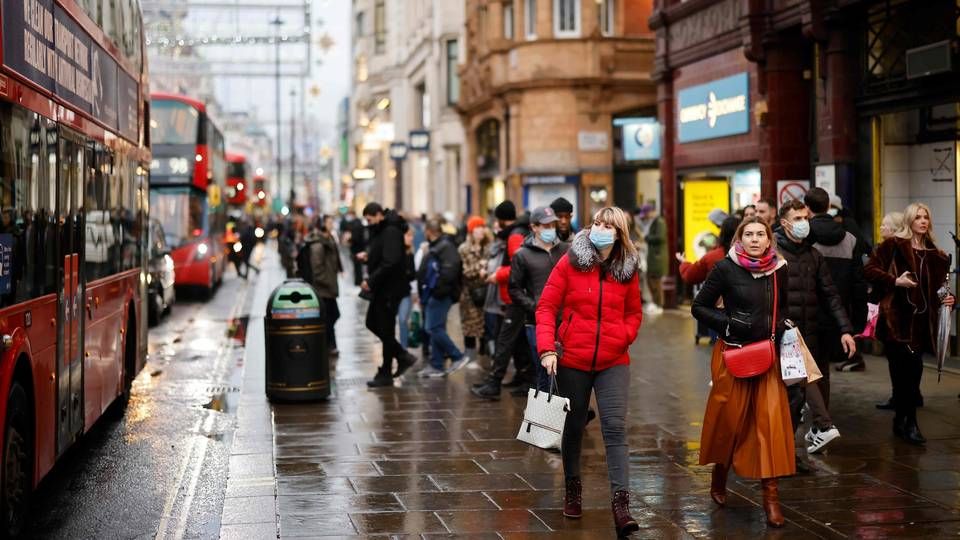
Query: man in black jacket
[[564, 211], [844, 253], [439, 282], [529, 270], [386, 285], [810, 286]]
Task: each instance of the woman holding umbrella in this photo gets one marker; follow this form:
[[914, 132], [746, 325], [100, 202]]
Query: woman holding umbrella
[[907, 270]]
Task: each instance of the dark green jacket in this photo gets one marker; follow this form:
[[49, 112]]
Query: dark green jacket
[[657, 260]]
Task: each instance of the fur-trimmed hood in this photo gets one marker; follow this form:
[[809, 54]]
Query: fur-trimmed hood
[[585, 257]]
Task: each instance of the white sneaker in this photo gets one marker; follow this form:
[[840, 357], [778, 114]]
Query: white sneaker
[[653, 309], [818, 439], [431, 372], [459, 364]]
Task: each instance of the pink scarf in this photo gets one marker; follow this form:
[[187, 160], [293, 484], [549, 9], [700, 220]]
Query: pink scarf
[[763, 264]]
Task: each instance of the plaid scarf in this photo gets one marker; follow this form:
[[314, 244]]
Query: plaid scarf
[[763, 264]]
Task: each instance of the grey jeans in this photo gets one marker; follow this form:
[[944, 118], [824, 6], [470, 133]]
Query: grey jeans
[[612, 388]]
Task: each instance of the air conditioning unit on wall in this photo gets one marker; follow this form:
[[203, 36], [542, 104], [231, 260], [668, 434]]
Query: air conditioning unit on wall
[[929, 59]]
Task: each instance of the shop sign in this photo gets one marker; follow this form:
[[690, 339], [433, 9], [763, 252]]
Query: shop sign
[[43, 43], [641, 138], [593, 141], [700, 197], [549, 180], [715, 109], [419, 140], [825, 177], [788, 190]]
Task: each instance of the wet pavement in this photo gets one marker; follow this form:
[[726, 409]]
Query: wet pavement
[[161, 470], [427, 459]]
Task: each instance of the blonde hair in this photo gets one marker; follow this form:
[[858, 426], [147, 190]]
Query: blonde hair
[[893, 221], [909, 215], [617, 218]]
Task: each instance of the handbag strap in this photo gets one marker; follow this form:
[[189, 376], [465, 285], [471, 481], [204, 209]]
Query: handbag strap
[[773, 330]]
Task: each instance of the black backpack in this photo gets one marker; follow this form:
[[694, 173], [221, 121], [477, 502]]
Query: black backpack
[[304, 269]]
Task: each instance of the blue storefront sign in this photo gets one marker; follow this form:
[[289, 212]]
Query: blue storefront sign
[[641, 138], [715, 109], [6, 263]]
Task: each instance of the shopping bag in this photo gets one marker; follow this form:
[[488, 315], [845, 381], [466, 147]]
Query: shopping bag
[[792, 367], [870, 330], [544, 417], [813, 372], [414, 329]]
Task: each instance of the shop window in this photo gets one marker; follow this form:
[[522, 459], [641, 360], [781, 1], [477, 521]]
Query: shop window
[[530, 19], [566, 18], [360, 26], [508, 21], [453, 76], [488, 149]]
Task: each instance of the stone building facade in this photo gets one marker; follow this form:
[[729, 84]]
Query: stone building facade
[[406, 82], [542, 85]]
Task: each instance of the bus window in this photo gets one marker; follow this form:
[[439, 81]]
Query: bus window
[[28, 269], [173, 122], [182, 213]]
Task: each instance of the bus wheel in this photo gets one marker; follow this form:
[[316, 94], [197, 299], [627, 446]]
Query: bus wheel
[[17, 462]]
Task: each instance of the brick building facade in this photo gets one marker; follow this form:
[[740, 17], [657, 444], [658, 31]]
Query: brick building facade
[[542, 84]]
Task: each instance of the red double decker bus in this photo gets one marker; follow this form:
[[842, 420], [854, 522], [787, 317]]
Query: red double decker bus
[[238, 181], [187, 180], [74, 156]]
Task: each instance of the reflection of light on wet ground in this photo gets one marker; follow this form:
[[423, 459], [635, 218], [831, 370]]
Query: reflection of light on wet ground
[[203, 344]]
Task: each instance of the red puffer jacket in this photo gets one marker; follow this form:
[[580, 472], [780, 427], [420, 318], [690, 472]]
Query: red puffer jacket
[[601, 313]]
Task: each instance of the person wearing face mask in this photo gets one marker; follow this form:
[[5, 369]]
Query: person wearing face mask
[[529, 270], [844, 254], [595, 292], [473, 254], [811, 291], [747, 422]]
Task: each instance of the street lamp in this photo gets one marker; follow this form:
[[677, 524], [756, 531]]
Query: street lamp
[[293, 145], [277, 22]]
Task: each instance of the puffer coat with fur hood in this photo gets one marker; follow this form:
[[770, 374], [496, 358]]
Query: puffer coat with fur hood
[[598, 307]]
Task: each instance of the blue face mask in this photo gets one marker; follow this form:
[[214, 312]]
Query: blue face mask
[[602, 238], [548, 236]]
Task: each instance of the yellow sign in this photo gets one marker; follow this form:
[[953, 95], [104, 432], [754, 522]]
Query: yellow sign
[[213, 195], [699, 198]]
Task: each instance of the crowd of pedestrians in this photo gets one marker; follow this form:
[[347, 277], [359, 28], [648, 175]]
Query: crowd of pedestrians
[[564, 306]]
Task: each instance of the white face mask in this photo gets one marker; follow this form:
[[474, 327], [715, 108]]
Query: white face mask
[[833, 212], [800, 229]]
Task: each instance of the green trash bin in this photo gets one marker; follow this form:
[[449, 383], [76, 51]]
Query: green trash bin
[[297, 359]]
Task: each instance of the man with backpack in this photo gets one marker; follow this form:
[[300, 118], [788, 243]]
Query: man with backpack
[[318, 263], [439, 282]]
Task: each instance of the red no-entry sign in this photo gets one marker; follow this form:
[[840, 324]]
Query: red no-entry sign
[[788, 190]]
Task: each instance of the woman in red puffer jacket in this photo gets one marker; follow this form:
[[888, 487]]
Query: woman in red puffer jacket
[[595, 294]]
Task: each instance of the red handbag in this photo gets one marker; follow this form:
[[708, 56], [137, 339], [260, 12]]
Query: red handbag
[[745, 361]]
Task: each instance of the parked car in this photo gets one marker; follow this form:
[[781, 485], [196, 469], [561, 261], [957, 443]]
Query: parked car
[[160, 274]]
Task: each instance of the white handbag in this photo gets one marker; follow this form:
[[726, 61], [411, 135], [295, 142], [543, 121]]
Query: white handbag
[[544, 417]]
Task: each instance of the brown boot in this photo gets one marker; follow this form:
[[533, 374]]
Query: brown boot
[[572, 500], [718, 484], [771, 502], [621, 514]]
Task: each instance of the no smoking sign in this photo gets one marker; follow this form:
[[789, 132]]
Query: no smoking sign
[[788, 190]]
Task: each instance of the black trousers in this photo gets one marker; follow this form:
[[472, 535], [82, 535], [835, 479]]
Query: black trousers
[[511, 341], [382, 321], [332, 312], [357, 270], [906, 368]]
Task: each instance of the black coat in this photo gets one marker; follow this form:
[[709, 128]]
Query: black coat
[[844, 255], [529, 270], [386, 261], [811, 290], [747, 303], [444, 252]]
